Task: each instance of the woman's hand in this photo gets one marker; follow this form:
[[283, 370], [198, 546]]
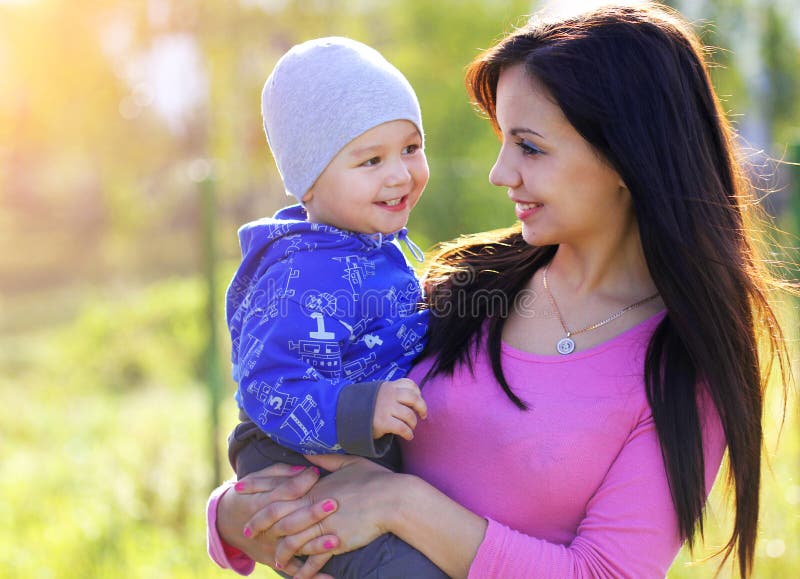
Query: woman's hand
[[363, 500], [255, 515]]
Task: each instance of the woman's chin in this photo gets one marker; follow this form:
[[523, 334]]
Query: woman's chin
[[536, 238]]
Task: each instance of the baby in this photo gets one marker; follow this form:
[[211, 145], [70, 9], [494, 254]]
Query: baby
[[324, 310]]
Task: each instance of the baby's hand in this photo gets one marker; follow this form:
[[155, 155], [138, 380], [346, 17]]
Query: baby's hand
[[397, 407]]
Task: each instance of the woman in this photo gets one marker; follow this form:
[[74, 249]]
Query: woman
[[578, 431]]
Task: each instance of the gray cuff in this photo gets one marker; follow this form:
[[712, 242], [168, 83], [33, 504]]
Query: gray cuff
[[354, 413]]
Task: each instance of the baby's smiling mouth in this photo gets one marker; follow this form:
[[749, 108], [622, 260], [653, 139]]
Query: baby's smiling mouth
[[393, 202]]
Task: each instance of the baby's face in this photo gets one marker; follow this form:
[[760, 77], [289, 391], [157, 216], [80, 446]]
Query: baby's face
[[372, 184]]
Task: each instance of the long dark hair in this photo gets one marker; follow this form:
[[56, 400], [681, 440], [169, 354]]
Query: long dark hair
[[634, 83]]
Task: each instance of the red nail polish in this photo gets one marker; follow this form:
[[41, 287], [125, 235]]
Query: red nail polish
[[315, 469], [238, 487], [248, 532], [328, 506], [330, 544], [278, 565], [296, 468]]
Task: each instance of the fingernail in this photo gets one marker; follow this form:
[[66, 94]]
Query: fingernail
[[238, 487], [328, 506], [330, 544], [296, 468], [248, 532], [278, 565], [315, 469]]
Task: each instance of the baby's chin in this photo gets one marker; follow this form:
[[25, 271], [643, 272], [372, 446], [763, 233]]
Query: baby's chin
[[395, 230], [384, 231]]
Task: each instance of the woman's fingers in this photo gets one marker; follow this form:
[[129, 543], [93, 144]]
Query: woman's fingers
[[290, 517], [324, 544], [292, 569], [233, 515], [312, 566], [273, 512], [304, 519], [301, 478], [312, 541]]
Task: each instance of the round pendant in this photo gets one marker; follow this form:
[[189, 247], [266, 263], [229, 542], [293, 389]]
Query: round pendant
[[565, 346]]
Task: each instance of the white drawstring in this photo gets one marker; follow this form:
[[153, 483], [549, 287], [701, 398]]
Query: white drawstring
[[402, 235], [412, 247]]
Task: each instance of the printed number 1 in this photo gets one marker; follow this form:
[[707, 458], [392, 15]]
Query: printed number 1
[[320, 334]]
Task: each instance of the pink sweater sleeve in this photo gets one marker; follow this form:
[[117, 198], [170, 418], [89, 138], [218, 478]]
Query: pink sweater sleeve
[[225, 556], [630, 528]]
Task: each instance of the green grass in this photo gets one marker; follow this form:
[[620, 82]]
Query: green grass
[[107, 475]]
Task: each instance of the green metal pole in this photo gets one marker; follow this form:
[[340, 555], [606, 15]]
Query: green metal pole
[[793, 156], [213, 377], [793, 226]]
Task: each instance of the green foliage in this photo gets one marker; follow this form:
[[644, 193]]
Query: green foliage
[[156, 336], [107, 474], [91, 170], [104, 485], [103, 434]]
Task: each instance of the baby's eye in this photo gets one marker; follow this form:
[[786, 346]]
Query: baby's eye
[[371, 162], [528, 148], [411, 149]]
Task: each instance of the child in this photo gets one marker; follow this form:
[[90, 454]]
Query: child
[[324, 309]]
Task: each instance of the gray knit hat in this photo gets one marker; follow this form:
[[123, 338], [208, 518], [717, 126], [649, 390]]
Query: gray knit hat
[[321, 95]]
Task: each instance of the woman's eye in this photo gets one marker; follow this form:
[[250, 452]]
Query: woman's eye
[[411, 149], [528, 148], [371, 162]]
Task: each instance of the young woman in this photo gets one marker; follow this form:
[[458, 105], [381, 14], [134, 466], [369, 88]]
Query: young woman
[[577, 432]]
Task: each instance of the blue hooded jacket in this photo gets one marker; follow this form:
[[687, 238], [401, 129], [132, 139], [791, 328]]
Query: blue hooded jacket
[[319, 317]]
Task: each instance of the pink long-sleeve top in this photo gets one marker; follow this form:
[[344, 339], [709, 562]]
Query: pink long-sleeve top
[[573, 487]]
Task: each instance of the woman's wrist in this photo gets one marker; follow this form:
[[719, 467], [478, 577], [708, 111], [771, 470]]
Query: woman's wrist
[[402, 497], [222, 553], [227, 529], [446, 532]]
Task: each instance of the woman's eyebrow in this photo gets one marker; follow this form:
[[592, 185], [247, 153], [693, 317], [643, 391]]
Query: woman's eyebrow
[[520, 130]]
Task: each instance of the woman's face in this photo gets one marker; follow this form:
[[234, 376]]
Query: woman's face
[[563, 192]]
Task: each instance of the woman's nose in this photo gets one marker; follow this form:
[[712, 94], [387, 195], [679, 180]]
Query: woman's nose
[[503, 174]]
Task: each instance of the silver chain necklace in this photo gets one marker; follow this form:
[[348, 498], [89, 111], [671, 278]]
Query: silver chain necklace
[[566, 345]]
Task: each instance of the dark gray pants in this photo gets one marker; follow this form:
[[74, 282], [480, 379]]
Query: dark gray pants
[[387, 557]]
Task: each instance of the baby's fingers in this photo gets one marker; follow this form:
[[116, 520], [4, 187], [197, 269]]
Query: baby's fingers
[[411, 396], [405, 415], [420, 406]]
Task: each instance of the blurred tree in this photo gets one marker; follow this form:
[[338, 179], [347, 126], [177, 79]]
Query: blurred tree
[[108, 110], [781, 54]]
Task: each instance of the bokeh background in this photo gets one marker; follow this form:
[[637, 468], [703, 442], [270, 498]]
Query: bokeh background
[[131, 149]]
